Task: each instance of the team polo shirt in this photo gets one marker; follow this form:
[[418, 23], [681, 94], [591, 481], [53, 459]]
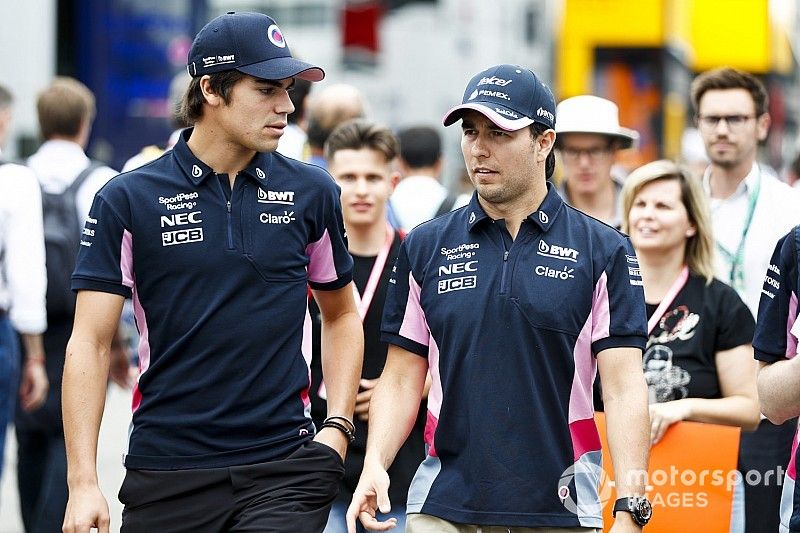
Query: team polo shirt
[[511, 330], [219, 282], [776, 339]]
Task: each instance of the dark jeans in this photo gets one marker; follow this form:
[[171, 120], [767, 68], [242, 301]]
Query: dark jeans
[[290, 494], [42, 480], [765, 454], [9, 365]]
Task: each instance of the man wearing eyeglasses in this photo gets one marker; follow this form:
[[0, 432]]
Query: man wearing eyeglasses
[[751, 209], [588, 137]]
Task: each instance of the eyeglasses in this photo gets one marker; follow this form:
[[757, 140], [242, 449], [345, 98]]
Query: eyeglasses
[[733, 122], [594, 153]]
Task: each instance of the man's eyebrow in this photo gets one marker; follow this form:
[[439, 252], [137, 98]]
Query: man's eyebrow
[[466, 124], [274, 83]]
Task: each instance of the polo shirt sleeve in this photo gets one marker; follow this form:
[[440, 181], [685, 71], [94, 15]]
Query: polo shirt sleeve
[[330, 265], [619, 318], [105, 260], [777, 328], [404, 322]]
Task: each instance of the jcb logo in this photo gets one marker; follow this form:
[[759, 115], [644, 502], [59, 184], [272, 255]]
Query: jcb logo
[[181, 219], [181, 236], [457, 284]]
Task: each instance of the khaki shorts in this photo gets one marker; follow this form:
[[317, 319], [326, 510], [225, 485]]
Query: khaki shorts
[[423, 523]]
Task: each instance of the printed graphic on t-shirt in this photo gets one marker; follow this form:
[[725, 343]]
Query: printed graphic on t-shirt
[[667, 381]]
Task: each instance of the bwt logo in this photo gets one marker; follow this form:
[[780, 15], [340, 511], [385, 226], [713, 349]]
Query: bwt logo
[[276, 197], [457, 284], [181, 219], [557, 252], [542, 112], [458, 268], [181, 236]]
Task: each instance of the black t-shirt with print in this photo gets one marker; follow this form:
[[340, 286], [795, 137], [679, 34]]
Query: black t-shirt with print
[[413, 451], [679, 361]]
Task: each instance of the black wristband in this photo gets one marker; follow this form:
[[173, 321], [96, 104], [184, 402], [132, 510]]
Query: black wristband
[[347, 422], [351, 437]]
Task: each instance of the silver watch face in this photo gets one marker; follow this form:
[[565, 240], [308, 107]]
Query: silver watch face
[[644, 509]]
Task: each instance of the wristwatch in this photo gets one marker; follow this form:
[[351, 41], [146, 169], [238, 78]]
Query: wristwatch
[[640, 508]]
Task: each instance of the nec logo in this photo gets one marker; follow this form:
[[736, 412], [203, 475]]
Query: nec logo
[[457, 284], [458, 268], [181, 219], [276, 197], [557, 252], [181, 236]]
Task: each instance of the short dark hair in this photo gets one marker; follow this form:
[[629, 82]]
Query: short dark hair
[[730, 78], [63, 107], [420, 146], [220, 82], [536, 130], [359, 133]]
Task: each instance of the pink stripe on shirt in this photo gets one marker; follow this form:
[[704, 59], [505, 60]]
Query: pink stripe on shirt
[[321, 266]]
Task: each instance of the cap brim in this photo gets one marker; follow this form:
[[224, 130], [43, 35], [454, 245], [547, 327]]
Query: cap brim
[[489, 111], [627, 138], [281, 68]]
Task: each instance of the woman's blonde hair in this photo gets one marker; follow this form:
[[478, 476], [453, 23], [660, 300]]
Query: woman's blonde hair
[[699, 254]]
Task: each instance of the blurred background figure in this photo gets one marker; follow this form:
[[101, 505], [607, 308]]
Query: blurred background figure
[[793, 173], [327, 109], [693, 152], [23, 283], [420, 195], [589, 136], [69, 181], [294, 141], [360, 156]]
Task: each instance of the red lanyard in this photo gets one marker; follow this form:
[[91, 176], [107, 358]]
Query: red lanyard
[[673, 291], [363, 302]]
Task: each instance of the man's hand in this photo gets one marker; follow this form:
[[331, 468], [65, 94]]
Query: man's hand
[[333, 438], [663, 415], [34, 385], [366, 387], [371, 495], [86, 508]]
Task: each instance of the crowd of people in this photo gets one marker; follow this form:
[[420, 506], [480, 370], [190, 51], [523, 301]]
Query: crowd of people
[[330, 339]]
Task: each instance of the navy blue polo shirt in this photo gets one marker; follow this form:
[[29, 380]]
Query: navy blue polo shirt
[[776, 339], [511, 330], [219, 283]]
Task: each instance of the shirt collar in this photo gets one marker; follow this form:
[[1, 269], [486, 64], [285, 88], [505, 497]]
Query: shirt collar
[[197, 171], [745, 186], [544, 217]]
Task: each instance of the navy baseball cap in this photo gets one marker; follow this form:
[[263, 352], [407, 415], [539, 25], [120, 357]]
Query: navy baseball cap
[[511, 96], [251, 43]]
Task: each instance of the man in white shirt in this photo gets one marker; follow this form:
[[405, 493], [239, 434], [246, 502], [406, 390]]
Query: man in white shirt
[[22, 284], [751, 209], [420, 196], [66, 110]]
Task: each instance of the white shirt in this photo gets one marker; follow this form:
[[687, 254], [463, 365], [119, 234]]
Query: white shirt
[[777, 211], [23, 279], [57, 163], [293, 142], [416, 199]]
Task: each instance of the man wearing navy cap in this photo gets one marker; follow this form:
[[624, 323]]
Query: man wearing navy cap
[[513, 303], [217, 241]]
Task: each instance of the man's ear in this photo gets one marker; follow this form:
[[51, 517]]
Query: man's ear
[[211, 98], [762, 126], [546, 142], [394, 179]]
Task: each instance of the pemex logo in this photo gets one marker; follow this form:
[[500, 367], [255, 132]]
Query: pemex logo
[[591, 483]]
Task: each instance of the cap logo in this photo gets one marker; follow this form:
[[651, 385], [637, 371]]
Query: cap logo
[[275, 36], [197, 171], [474, 95], [505, 112], [494, 94], [542, 112], [211, 61], [494, 80]]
